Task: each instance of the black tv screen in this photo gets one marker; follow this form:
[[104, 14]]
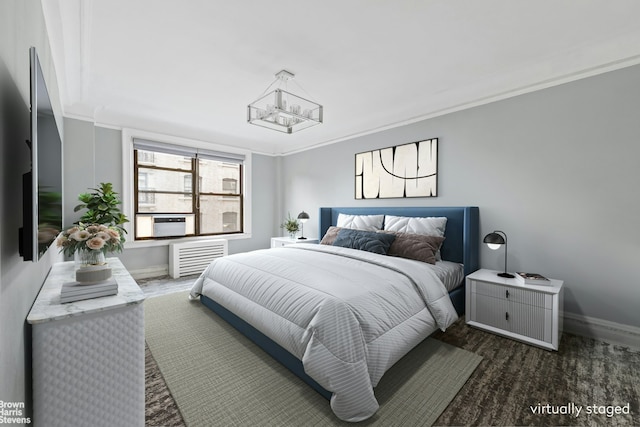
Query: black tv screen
[[42, 186]]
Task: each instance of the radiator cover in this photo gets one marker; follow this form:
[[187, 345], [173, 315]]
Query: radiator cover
[[193, 257]]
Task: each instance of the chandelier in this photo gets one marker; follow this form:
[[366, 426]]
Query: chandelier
[[282, 110]]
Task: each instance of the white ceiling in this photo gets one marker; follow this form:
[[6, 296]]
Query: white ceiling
[[190, 67]]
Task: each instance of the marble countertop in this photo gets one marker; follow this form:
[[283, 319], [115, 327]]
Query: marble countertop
[[47, 306]]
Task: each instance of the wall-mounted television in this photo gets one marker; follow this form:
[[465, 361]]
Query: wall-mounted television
[[42, 185]]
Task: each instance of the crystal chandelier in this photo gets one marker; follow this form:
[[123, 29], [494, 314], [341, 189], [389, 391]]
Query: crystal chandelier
[[283, 111]]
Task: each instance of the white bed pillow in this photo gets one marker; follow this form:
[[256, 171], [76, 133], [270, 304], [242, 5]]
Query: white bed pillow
[[427, 226], [360, 222]]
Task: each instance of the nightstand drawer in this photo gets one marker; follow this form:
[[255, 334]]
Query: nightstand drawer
[[514, 294], [533, 322]]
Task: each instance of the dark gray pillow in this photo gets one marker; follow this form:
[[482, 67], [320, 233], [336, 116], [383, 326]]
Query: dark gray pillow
[[416, 246], [369, 241]]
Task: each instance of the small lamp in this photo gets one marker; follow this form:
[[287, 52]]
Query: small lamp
[[302, 217], [494, 241]]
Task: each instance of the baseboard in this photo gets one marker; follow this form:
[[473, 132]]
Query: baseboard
[[150, 272], [603, 330]]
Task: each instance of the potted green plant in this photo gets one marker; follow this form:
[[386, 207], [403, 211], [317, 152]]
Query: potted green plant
[[291, 225], [96, 233], [102, 208]]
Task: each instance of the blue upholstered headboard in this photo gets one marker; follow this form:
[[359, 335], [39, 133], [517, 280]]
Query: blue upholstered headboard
[[462, 232]]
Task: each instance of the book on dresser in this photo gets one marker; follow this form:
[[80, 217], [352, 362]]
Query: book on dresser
[[532, 279], [75, 291]]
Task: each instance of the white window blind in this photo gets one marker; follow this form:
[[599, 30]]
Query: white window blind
[[180, 150]]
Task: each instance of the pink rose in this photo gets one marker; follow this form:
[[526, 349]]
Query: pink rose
[[95, 243], [104, 236], [93, 229], [61, 241], [114, 234], [80, 235]]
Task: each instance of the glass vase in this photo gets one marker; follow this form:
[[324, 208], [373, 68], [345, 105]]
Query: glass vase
[[90, 258], [91, 267]]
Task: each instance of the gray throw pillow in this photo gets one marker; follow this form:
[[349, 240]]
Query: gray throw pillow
[[369, 241], [416, 246]]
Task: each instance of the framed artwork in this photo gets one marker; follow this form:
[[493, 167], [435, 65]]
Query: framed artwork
[[408, 170]]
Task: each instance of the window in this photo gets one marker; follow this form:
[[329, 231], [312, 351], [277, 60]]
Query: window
[[146, 198], [229, 219], [203, 186], [188, 184], [229, 184], [146, 157]]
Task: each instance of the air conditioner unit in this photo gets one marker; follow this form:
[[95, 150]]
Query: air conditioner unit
[[169, 225]]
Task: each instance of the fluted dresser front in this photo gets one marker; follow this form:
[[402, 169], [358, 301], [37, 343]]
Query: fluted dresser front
[[88, 356]]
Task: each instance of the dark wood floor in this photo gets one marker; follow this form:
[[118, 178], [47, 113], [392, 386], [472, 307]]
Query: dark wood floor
[[518, 384]]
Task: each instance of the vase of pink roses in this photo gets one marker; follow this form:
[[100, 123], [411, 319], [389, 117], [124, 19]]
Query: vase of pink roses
[[88, 244]]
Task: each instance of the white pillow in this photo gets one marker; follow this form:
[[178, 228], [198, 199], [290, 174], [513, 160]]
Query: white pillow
[[429, 226], [360, 222]]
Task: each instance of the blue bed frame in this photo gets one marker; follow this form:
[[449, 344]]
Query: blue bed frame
[[461, 245]]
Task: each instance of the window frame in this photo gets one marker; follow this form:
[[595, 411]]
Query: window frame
[[130, 186]]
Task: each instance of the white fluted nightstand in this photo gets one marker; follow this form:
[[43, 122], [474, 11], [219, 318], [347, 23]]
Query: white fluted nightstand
[[528, 313]]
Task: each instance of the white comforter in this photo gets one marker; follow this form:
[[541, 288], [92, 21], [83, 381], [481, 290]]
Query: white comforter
[[348, 315]]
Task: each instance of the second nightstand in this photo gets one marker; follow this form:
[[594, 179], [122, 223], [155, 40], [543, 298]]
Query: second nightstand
[[277, 242], [528, 313]]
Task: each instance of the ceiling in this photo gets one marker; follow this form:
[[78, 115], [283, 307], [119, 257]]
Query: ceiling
[[189, 68]]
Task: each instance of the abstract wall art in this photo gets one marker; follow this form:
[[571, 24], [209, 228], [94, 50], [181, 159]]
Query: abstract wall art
[[408, 170]]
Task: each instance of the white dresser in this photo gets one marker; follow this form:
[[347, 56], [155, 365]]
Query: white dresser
[[504, 306], [88, 356]]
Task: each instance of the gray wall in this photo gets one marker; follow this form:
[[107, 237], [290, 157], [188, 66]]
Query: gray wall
[[98, 153], [556, 169], [21, 26]]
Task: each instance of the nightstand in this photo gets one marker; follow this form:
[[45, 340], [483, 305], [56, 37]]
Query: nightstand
[[507, 307], [277, 242]]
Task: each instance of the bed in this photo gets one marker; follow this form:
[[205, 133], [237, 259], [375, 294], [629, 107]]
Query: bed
[[339, 317]]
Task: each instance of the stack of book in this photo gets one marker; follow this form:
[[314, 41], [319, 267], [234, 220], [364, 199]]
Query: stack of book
[[532, 279], [76, 291]]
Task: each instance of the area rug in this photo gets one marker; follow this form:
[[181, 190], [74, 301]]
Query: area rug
[[219, 377]]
